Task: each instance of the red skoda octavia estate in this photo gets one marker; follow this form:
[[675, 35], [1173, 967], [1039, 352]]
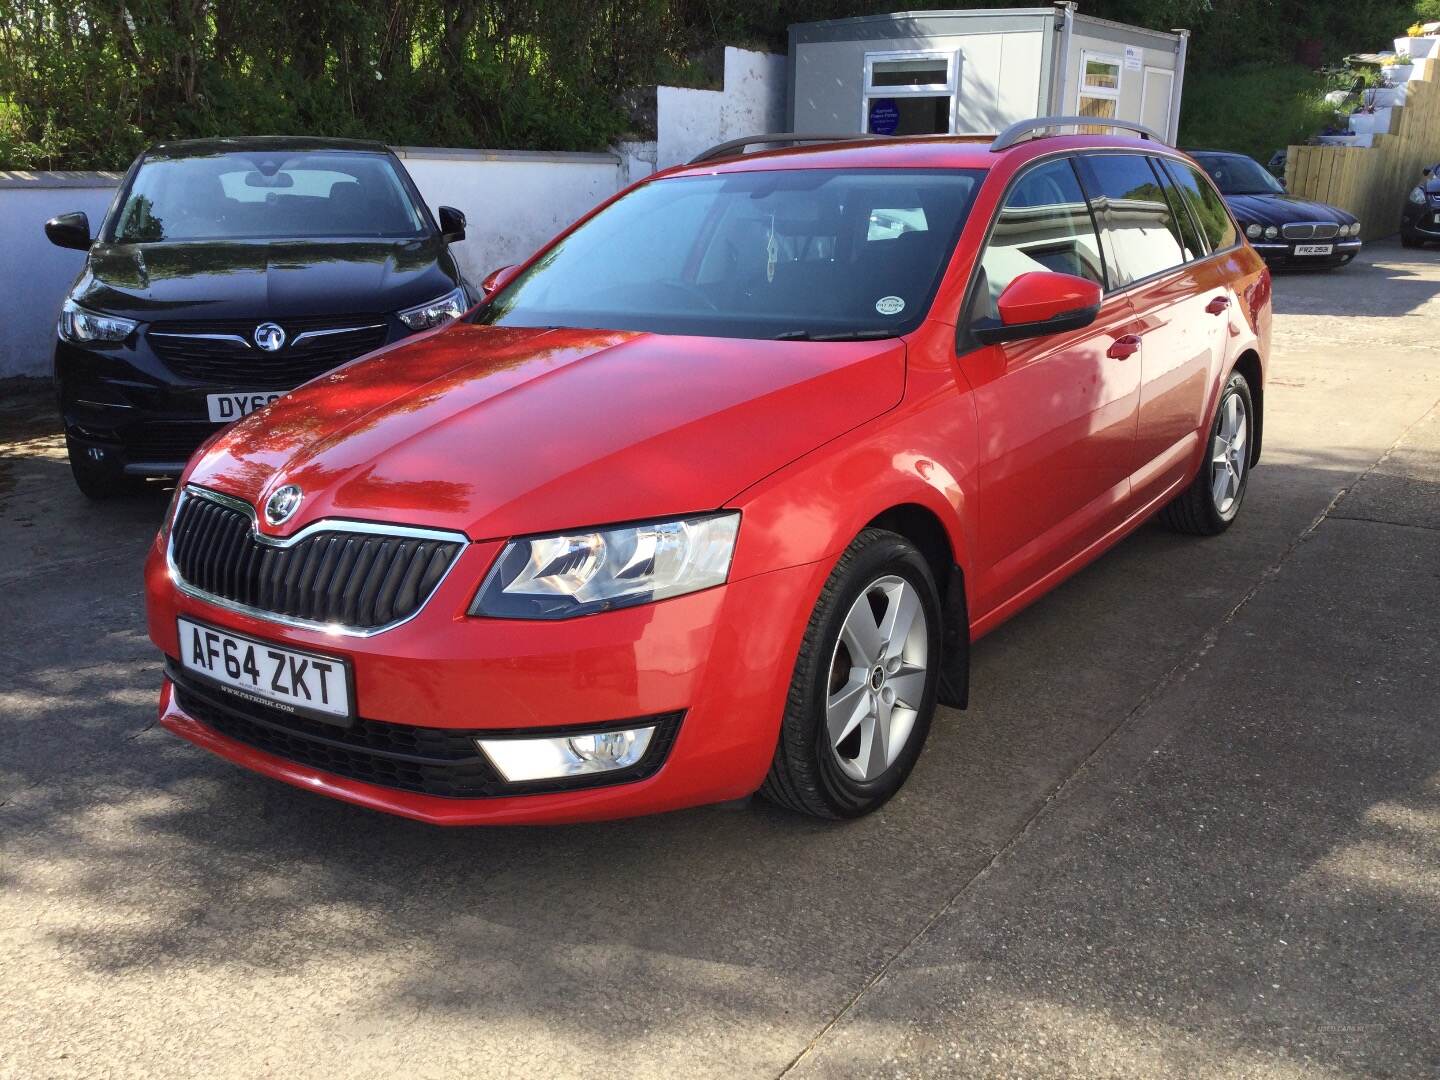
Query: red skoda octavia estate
[[712, 495]]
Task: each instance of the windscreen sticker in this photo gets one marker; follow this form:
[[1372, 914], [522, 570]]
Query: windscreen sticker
[[890, 305]]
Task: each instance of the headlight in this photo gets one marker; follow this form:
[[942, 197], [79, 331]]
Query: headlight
[[441, 310], [1417, 196], [1355, 228], [1253, 231], [78, 324], [569, 574], [1271, 232]]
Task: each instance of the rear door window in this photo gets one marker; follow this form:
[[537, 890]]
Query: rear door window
[[1205, 204], [1043, 225], [1140, 235]]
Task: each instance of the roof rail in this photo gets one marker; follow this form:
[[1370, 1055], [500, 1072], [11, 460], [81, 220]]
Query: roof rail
[[1016, 132], [736, 147]]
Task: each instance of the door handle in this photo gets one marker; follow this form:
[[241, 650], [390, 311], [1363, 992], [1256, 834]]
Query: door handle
[[1123, 347], [1218, 305]]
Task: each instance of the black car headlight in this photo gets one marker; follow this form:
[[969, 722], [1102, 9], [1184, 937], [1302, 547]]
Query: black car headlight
[[83, 325], [1417, 196], [568, 574], [434, 312], [1253, 231]]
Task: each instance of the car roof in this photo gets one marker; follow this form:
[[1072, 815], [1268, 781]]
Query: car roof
[[911, 152], [281, 143]]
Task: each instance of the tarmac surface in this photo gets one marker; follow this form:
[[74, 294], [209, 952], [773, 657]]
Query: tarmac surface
[[1189, 826]]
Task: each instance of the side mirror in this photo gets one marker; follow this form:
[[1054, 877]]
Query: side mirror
[[1041, 303], [452, 224], [69, 231], [495, 279]]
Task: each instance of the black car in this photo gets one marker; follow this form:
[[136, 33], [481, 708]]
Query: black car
[[1285, 230], [228, 272], [1420, 220]]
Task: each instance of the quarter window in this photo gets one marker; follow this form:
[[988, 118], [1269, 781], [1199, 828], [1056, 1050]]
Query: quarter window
[[1044, 225], [1205, 203], [1141, 236]]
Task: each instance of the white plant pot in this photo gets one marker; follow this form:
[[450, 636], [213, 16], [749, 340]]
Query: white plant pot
[[1386, 97], [1417, 48], [1398, 73]]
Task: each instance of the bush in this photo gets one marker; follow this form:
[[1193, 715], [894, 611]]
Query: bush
[[1255, 109]]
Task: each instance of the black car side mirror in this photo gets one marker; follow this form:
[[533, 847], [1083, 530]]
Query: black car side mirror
[[69, 230], [452, 224]]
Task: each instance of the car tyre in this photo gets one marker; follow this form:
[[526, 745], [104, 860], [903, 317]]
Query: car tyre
[[853, 697], [1210, 504], [97, 482]]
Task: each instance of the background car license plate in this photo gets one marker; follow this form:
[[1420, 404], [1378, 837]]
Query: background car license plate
[[1314, 249], [226, 407], [298, 682]]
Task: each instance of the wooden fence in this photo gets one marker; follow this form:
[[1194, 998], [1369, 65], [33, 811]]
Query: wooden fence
[[1372, 182]]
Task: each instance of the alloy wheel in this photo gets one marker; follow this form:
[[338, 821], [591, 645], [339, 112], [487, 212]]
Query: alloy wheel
[[1228, 455], [877, 677]]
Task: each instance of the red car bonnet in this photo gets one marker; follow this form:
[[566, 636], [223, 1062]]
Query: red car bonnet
[[498, 431]]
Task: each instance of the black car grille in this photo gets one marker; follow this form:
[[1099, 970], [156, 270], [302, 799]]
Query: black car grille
[[432, 761], [360, 580], [163, 441], [1310, 230], [230, 357]]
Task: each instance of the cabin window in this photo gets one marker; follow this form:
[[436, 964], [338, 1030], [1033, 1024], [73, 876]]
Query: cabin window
[[909, 93]]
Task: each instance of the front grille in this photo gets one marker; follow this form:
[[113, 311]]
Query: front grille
[[1310, 230], [351, 575], [163, 441], [432, 761], [220, 360]]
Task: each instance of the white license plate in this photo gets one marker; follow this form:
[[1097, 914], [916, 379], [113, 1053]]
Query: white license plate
[[1436, 220], [1314, 249], [297, 682], [226, 407]]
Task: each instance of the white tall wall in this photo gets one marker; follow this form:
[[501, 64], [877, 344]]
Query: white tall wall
[[752, 103], [34, 274], [514, 202]]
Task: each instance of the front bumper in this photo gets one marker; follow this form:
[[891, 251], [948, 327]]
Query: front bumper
[[1421, 222], [1282, 252], [718, 662], [127, 411]]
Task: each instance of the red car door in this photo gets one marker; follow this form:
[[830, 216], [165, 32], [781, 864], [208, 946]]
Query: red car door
[[1154, 249], [1056, 414]]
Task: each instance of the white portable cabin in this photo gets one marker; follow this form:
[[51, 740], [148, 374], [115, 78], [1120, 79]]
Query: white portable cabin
[[978, 71]]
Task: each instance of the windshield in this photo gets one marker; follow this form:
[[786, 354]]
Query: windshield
[[1236, 175], [791, 253], [267, 195]]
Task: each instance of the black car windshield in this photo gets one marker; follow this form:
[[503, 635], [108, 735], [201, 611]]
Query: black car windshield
[[796, 253], [1236, 175], [266, 195]]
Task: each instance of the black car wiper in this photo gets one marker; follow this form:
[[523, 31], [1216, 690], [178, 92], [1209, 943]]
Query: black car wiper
[[838, 335]]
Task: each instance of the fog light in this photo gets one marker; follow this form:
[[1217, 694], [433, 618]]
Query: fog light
[[553, 758]]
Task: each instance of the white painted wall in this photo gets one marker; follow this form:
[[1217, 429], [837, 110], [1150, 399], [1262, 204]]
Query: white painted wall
[[752, 103], [514, 202], [34, 274]]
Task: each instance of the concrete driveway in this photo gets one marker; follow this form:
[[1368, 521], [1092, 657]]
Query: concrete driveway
[[1190, 826]]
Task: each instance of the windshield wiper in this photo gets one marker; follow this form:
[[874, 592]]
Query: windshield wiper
[[838, 335]]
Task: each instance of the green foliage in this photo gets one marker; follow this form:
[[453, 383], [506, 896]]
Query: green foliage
[[1254, 109], [88, 83]]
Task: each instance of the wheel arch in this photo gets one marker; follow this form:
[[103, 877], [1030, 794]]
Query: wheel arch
[[1248, 364], [923, 527]]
